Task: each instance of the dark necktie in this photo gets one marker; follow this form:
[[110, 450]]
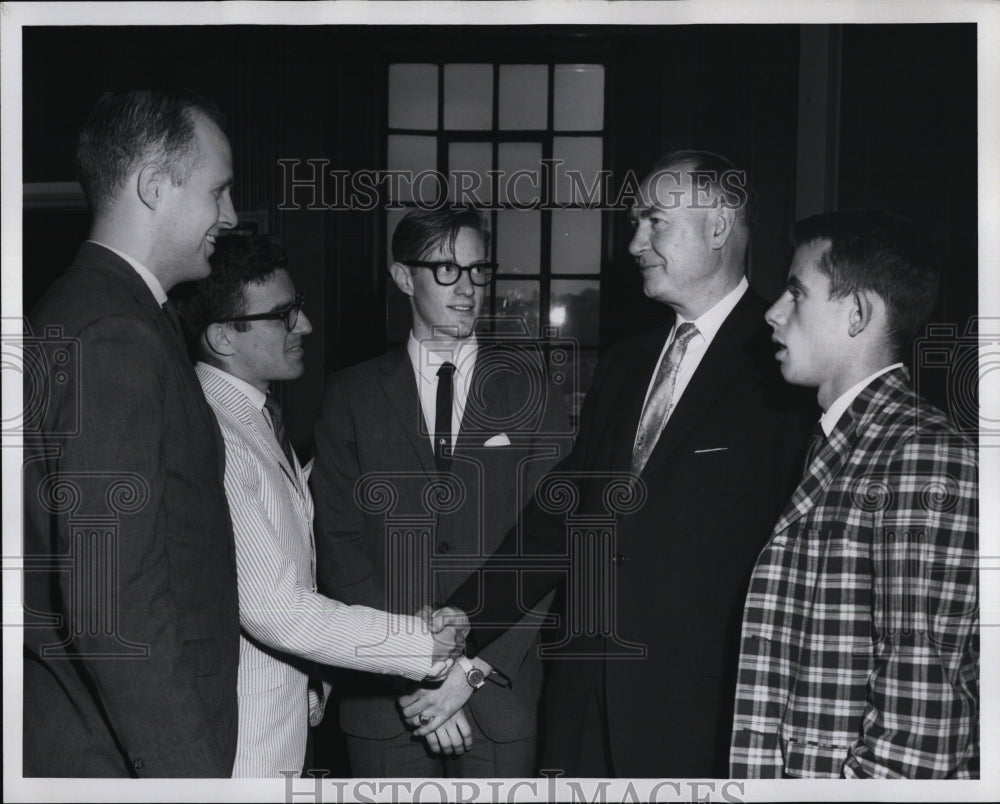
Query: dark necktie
[[175, 320], [278, 423], [817, 438], [654, 415], [442, 417]]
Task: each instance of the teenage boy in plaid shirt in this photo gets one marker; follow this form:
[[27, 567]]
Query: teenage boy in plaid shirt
[[860, 644]]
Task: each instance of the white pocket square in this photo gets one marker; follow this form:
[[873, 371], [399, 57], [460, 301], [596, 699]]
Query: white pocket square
[[498, 441], [710, 449]]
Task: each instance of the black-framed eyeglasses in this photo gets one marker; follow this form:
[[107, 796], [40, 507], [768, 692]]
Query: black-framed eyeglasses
[[289, 314], [448, 273]]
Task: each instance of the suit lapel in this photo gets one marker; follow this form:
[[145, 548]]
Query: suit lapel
[[400, 390], [251, 422], [97, 258], [819, 474], [259, 428], [827, 463], [488, 403], [725, 358]]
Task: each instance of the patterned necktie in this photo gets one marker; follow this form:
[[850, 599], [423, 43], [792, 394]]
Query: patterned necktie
[[658, 406], [442, 418], [817, 438], [278, 423]]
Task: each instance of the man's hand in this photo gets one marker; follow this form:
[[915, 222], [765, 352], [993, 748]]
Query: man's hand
[[454, 736], [426, 708], [318, 696], [449, 627]]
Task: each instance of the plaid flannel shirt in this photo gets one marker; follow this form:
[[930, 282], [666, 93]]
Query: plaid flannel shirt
[[860, 646]]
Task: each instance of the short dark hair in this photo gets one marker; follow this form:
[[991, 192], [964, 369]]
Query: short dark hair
[[126, 128], [877, 251], [723, 178], [423, 230], [238, 261]]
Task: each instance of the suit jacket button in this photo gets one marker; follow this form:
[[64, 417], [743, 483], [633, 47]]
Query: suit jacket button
[[618, 558], [444, 547], [138, 764]]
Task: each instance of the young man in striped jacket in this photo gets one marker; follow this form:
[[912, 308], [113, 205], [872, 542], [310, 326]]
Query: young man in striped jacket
[[250, 327]]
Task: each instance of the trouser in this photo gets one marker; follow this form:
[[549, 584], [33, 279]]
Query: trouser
[[404, 756]]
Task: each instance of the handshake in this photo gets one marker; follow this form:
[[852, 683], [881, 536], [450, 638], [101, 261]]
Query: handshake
[[448, 627]]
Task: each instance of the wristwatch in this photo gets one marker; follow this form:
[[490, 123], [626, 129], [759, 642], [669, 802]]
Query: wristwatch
[[473, 675]]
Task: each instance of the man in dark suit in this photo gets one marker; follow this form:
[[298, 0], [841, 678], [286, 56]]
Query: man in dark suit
[[860, 647], [132, 625], [424, 458], [684, 456]]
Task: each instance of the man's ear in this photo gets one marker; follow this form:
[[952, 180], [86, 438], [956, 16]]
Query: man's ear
[[860, 313], [721, 221], [217, 340], [151, 185], [402, 277]]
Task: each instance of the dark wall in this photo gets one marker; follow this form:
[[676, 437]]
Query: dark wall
[[908, 141], [730, 89], [908, 98]]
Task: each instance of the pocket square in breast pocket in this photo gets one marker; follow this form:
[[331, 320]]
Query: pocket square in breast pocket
[[711, 449], [497, 441]]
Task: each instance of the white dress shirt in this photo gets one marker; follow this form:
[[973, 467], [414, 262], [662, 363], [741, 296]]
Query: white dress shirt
[[427, 357], [708, 324], [833, 413]]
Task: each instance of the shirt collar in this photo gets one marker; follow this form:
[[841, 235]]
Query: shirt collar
[[833, 413], [427, 356], [144, 273], [255, 395], [709, 322]]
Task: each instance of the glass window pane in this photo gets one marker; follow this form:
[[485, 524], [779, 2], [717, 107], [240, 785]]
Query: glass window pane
[[472, 185], [519, 241], [576, 241], [520, 165], [468, 96], [578, 97], [578, 176], [519, 298], [413, 96], [415, 155], [575, 307], [524, 96]]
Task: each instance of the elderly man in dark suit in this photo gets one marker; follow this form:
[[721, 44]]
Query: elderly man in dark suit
[[424, 458], [687, 418], [860, 648], [132, 628]]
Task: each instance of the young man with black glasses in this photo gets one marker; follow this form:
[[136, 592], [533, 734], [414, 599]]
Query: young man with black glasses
[[249, 327], [424, 458]]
